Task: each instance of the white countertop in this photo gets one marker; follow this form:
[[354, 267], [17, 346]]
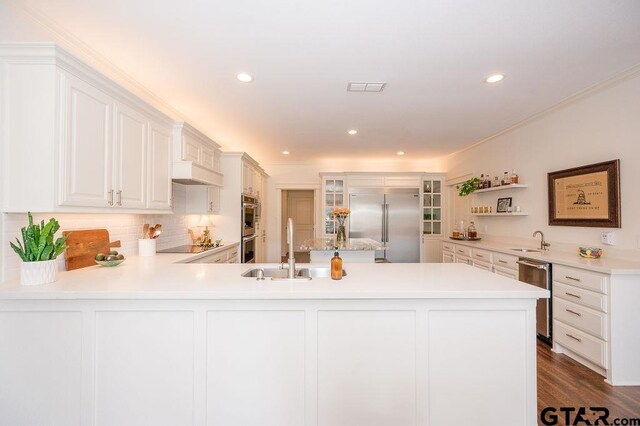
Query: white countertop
[[161, 277], [604, 264], [352, 244]]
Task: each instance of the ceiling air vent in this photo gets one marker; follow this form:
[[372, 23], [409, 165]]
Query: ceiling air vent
[[365, 87]]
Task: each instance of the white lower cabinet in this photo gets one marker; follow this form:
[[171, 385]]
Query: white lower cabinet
[[580, 318], [482, 265], [226, 254], [447, 257], [506, 272]]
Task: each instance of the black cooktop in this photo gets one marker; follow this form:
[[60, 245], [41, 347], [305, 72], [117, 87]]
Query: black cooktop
[[188, 248]]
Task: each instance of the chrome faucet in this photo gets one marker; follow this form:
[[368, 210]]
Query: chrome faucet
[[292, 260], [543, 244]]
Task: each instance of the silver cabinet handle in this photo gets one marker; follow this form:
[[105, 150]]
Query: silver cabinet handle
[[532, 265], [573, 295], [572, 278], [573, 312], [573, 337], [502, 261], [480, 256], [119, 203], [110, 197], [218, 260]]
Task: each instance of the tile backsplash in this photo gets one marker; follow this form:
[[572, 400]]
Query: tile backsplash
[[124, 227]]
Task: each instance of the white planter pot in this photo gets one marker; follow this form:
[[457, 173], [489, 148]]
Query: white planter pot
[[34, 273], [147, 247]]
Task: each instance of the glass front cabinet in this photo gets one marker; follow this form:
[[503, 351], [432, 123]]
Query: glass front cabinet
[[432, 192], [334, 195]]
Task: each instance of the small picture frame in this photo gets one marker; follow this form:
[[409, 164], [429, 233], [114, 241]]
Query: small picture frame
[[503, 205]]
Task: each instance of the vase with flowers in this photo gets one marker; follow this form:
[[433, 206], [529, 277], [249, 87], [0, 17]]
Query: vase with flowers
[[340, 215]]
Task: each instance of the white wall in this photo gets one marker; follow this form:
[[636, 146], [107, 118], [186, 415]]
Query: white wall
[[603, 125]]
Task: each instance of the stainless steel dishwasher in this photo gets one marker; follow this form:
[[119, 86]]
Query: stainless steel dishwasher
[[539, 274]]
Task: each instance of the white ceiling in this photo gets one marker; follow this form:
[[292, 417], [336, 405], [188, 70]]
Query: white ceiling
[[433, 55]]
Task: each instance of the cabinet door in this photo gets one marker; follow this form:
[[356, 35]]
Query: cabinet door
[[247, 179], [87, 147], [130, 168], [159, 167], [213, 199]]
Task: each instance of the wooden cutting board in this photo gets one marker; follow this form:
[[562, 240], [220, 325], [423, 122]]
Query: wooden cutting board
[[84, 245]]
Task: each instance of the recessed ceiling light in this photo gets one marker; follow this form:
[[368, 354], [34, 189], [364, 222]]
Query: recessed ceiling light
[[244, 77], [400, 152], [353, 132], [494, 78], [286, 152]]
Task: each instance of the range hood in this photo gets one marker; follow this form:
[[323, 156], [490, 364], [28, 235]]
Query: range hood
[[196, 157], [189, 173]]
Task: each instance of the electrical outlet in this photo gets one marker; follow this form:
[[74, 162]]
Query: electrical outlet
[[608, 238]]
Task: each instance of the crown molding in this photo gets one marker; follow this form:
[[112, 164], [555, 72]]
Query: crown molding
[[587, 92]]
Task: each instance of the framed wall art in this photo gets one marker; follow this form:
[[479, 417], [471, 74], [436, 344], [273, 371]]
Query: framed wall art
[[586, 196], [503, 205]]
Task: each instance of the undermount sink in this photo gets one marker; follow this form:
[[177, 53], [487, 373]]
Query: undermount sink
[[526, 250], [283, 274]]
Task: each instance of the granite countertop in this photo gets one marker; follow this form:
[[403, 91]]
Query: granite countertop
[[351, 244]]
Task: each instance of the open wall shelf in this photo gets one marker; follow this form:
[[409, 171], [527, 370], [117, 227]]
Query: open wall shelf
[[501, 188]]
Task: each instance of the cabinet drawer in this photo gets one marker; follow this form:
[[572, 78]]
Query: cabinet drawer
[[585, 319], [505, 272], [589, 347], [580, 296], [505, 261], [233, 254], [464, 259], [580, 278], [213, 258], [448, 247], [463, 250], [482, 265], [482, 255], [447, 257]]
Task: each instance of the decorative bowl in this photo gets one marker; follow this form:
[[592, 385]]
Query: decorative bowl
[[590, 252], [115, 262]]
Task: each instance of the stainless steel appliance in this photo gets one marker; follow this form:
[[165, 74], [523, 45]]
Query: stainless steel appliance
[[188, 248], [539, 274], [249, 249], [250, 215], [391, 216]]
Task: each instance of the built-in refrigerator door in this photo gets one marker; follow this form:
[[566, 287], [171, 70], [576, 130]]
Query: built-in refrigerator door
[[403, 226], [365, 220]]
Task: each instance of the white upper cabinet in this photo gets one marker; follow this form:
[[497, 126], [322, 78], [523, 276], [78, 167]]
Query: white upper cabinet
[[130, 166], [159, 175], [87, 147], [91, 145]]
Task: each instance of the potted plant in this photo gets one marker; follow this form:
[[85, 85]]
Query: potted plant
[[38, 252], [469, 187]]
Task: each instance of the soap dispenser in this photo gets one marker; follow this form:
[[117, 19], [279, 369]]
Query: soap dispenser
[[336, 267]]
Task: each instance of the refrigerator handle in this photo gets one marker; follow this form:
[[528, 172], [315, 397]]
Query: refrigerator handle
[[386, 221], [384, 224]]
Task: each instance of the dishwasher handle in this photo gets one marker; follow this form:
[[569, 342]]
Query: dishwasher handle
[[533, 265]]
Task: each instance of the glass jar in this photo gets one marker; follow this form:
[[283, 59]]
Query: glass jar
[[472, 232]]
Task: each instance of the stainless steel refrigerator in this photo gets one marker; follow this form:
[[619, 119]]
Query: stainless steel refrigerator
[[391, 216]]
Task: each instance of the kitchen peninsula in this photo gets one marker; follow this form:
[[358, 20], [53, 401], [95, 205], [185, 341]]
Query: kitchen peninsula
[[361, 250], [156, 341]]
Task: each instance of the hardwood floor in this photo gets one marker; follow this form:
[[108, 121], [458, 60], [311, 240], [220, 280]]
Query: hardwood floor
[[562, 382]]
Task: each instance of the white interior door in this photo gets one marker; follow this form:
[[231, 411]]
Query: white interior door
[[300, 208], [88, 147], [131, 164]]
